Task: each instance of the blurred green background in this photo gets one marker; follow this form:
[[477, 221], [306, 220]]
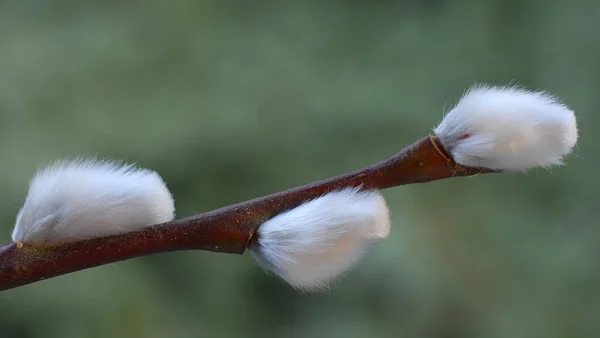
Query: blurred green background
[[231, 100]]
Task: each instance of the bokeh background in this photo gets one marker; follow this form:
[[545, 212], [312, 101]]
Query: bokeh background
[[231, 100]]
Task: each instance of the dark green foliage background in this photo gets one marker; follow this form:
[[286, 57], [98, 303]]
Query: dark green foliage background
[[230, 100]]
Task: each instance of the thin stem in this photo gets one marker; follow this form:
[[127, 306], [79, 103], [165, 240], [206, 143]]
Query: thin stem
[[229, 229]]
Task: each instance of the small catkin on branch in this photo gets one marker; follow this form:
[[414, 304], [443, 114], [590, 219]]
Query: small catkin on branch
[[229, 229]]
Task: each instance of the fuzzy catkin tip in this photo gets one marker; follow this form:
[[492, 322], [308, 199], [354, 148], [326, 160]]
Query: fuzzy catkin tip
[[82, 199], [313, 244], [508, 128]]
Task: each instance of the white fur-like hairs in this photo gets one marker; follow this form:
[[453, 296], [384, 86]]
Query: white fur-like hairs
[[508, 128], [312, 244], [82, 199]]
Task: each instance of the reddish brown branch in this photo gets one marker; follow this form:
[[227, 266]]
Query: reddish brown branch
[[229, 229]]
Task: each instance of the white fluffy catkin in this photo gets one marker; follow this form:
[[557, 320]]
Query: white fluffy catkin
[[82, 199], [312, 244], [508, 128]]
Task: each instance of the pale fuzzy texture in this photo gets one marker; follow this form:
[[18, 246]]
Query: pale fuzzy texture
[[508, 128], [312, 244], [83, 199]]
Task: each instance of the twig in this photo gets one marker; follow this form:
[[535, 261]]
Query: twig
[[229, 229]]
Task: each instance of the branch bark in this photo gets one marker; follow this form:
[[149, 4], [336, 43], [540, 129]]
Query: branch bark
[[229, 229]]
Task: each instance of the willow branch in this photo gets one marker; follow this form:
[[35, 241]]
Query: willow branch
[[229, 229]]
